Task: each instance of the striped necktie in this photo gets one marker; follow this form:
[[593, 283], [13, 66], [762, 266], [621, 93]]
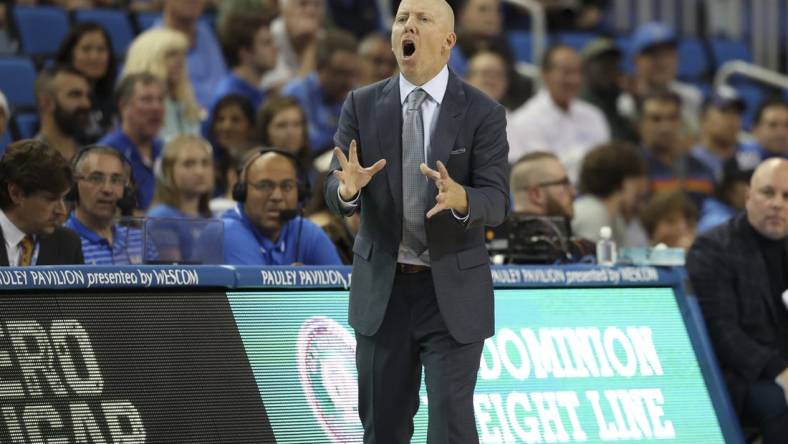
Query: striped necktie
[[26, 251]]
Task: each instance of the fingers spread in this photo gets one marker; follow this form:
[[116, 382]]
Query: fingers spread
[[427, 171], [340, 157], [444, 173], [377, 166]]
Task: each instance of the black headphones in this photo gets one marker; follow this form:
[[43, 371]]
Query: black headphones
[[304, 189], [128, 200]]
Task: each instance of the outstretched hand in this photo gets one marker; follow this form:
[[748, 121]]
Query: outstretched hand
[[351, 175], [451, 195]]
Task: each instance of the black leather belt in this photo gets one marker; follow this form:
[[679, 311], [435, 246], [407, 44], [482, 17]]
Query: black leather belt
[[411, 268]]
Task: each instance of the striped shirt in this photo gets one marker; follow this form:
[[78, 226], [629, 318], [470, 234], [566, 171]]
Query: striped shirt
[[125, 249]]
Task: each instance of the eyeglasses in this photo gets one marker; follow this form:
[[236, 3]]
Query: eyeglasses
[[564, 181], [268, 186], [99, 179]]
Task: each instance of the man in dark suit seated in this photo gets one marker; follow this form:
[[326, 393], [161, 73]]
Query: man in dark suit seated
[[422, 288], [740, 274], [34, 179]]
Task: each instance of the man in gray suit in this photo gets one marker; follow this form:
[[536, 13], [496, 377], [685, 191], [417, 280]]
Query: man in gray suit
[[422, 290]]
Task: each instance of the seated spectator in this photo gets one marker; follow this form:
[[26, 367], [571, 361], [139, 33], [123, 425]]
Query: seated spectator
[[376, 59], [670, 218], [206, 65], [34, 180], [480, 28], [87, 47], [739, 272], [488, 72], [542, 197], [555, 120], [720, 127], [261, 229], [184, 182], [578, 15], [609, 182], [602, 80], [654, 51], [63, 98], [162, 52], [283, 125], [233, 134], [770, 130], [184, 186], [670, 167], [728, 199], [322, 93], [250, 50], [141, 108], [102, 185], [540, 185], [296, 31]]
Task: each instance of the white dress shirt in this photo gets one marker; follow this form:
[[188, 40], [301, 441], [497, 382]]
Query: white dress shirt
[[13, 237], [541, 125], [430, 110]]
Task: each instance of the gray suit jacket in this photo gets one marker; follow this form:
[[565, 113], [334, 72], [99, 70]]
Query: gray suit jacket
[[470, 139]]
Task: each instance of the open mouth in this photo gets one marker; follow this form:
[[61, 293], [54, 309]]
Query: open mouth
[[408, 48]]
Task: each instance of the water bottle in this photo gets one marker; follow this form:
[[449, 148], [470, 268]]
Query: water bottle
[[606, 247]]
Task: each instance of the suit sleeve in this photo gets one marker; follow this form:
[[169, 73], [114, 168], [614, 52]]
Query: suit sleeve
[[347, 131], [488, 192], [72, 248], [713, 280]]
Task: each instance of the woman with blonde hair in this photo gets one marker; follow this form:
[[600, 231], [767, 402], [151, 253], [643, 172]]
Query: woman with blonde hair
[[162, 52], [184, 179], [176, 223]]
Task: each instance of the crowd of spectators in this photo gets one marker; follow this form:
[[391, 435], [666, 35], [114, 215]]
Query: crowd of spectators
[[216, 142], [191, 103]]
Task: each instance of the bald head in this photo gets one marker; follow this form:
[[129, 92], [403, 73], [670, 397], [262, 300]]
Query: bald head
[[767, 199], [422, 38]]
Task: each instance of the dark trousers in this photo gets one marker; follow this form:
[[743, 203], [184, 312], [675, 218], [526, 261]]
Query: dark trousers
[[765, 405], [389, 367]]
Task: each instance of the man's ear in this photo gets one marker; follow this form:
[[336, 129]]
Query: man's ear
[[45, 102], [536, 195], [16, 193], [450, 41]]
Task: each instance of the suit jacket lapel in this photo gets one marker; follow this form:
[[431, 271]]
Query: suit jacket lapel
[[449, 120], [389, 122]]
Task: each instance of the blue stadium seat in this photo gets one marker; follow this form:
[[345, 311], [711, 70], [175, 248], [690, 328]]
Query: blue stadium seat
[[145, 20], [116, 23], [5, 140], [41, 29], [520, 42], [27, 124], [693, 62], [726, 50], [17, 76], [576, 40]]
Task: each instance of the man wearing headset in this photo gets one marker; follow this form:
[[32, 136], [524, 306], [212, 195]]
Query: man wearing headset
[[102, 178], [265, 227]]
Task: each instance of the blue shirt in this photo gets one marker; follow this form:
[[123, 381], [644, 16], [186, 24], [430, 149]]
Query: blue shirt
[[144, 179], [322, 116], [713, 213], [687, 174], [245, 245], [751, 154], [205, 63], [232, 84], [182, 238], [711, 160], [126, 247]]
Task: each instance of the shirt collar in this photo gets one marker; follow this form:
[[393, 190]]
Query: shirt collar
[[435, 88], [11, 233], [546, 98], [85, 232], [266, 243]]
